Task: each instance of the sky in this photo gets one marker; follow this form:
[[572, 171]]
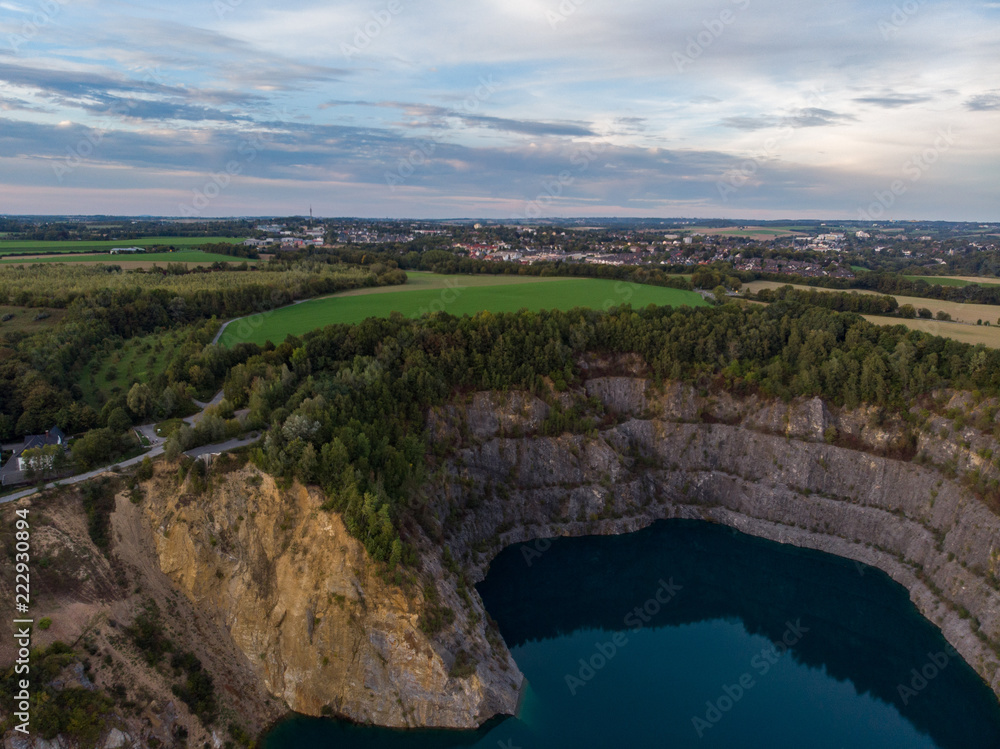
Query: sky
[[509, 109]]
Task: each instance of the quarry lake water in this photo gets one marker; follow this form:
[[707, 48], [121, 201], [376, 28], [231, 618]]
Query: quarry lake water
[[688, 634]]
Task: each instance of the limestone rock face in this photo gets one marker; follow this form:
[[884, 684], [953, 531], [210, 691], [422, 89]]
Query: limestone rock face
[[323, 630], [301, 599], [763, 467]]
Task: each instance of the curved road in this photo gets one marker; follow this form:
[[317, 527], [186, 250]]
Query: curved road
[[155, 451], [227, 323]]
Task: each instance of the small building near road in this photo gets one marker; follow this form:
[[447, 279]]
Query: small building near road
[[54, 436], [14, 470]]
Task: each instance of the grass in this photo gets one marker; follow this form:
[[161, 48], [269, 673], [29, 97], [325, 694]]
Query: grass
[[421, 279], [962, 327], [166, 428], [23, 320], [974, 334], [136, 360], [457, 295], [954, 280], [967, 313], [8, 246], [146, 258]]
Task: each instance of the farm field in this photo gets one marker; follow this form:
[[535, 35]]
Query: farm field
[[954, 280], [466, 295], [974, 334], [422, 279], [37, 246], [963, 313], [144, 260]]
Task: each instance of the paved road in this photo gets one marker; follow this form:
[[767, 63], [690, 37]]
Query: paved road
[[192, 420], [223, 330], [149, 432], [227, 323], [221, 447], [154, 452], [157, 449]]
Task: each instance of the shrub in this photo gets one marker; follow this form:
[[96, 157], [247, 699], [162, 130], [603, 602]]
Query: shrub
[[465, 665]]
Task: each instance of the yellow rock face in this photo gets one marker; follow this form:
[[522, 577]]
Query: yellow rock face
[[302, 600]]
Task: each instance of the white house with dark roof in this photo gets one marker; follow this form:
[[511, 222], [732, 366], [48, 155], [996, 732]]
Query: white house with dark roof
[[54, 436], [13, 471]]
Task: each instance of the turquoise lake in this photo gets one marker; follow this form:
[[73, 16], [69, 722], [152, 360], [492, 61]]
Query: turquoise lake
[[688, 634]]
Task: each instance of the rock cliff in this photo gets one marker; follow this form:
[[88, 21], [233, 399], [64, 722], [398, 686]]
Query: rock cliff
[[326, 633], [770, 469]]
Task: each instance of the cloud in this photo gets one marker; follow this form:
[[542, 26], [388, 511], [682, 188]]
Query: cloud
[[438, 117], [145, 96], [815, 117], [806, 117], [186, 87], [80, 83], [606, 175], [984, 102], [751, 122], [893, 101], [527, 127], [11, 103]]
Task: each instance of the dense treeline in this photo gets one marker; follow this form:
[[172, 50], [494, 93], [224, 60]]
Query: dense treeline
[[890, 283], [115, 229], [966, 261], [863, 304], [443, 261], [230, 248], [40, 373], [346, 405], [886, 283], [204, 292]]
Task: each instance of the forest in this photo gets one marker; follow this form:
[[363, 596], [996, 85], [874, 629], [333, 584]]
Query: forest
[[345, 406], [49, 377], [892, 283], [40, 373], [863, 304], [704, 277]]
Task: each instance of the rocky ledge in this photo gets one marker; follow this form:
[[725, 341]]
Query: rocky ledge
[[327, 633]]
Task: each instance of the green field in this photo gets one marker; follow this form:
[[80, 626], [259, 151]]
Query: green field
[[953, 280], [166, 428], [8, 247], [466, 295], [180, 256]]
